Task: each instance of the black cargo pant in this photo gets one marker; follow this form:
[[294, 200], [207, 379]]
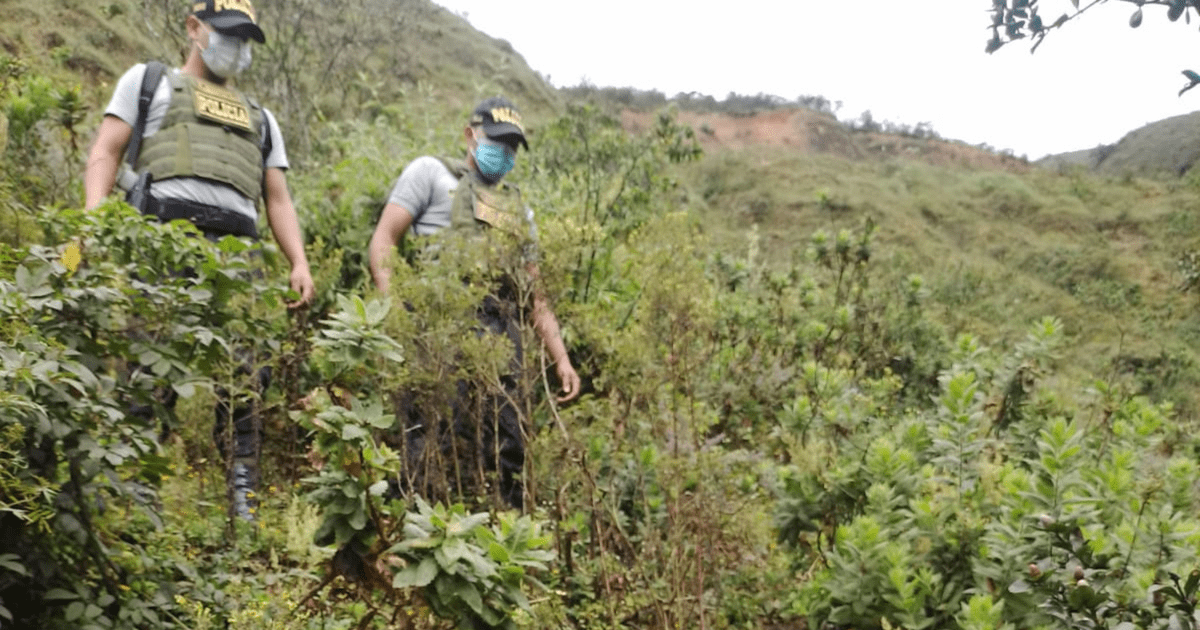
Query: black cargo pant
[[480, 436]]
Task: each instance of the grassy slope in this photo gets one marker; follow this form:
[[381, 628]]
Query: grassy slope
[[428, 58], [1168, 146], [997, 250]]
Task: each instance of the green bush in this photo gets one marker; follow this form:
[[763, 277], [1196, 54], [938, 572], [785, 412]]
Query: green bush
[[1050, 520]]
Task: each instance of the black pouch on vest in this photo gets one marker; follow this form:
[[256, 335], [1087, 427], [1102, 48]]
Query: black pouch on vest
[[139, 195]]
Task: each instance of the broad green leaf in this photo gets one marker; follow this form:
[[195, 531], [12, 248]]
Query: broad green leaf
[[383, 421], [358, 520], [416, 574], [353, 432], [11, 562], [468, 524], [468, 593]]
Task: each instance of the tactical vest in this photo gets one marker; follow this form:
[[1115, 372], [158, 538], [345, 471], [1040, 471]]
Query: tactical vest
[[492, 223], [209, 131], [477, 205]]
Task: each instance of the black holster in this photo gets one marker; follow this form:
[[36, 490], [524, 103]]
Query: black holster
[[139, 196]]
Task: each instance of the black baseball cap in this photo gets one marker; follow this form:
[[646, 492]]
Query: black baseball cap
[[500, 120], [232, 17]]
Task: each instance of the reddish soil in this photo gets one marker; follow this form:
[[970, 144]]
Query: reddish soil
[[812, 132]]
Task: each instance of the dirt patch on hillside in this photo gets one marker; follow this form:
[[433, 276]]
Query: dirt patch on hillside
[[813, 132]]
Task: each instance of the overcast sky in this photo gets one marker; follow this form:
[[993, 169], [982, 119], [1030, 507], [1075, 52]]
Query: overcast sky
[[1089, 83]]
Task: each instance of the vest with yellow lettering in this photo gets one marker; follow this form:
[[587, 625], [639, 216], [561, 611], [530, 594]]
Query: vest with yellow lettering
[[476, 204], [496, 227], [209, 131]]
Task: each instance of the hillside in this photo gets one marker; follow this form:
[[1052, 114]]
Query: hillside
[[1164, 148], [961, 215], [831, 378], [804, 131], [385, 53], [958, 213]]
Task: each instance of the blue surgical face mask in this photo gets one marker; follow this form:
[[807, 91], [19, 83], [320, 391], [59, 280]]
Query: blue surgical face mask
[[493, 159]]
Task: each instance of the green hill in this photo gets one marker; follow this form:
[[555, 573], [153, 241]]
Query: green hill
[[834, 377], [1164, 148]]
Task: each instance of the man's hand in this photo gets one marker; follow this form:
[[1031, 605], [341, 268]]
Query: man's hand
[[568, 379], [302, 283], [383, 279]]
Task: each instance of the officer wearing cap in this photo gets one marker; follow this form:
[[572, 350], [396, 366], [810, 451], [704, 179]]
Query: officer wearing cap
[[206, 153], [434, 196]]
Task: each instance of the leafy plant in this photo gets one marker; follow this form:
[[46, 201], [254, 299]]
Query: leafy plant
[[469, 572]]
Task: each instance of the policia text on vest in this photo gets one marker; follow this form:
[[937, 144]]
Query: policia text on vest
[[214, 118]]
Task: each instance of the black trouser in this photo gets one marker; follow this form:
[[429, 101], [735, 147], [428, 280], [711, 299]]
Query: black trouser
[[482, 435], [247, 425]]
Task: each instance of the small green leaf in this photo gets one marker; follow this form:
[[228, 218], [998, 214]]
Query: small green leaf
[[1189, 588], [498, 553], [60, 594], [186, 389], [74, 611]]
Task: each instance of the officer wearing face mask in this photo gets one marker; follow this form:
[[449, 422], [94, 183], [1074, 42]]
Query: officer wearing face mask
[[467, 197], [209, 153]]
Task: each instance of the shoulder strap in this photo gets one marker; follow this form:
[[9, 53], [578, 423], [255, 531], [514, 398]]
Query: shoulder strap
[[457, 166], [154, 73], [267, 143]]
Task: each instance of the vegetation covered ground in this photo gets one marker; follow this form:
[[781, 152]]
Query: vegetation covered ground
[[821, 392]]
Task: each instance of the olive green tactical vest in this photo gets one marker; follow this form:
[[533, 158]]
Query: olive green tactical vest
[[209, 131], [494, 223], [498, 207]]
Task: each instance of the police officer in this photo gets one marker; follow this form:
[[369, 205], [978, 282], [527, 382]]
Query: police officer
[[434, 196], [211, 152]]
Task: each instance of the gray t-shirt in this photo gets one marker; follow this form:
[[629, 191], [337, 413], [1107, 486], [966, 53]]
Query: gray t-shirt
[[426, 190], [124, 105]]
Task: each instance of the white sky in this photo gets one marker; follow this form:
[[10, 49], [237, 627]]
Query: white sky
[[1089, 83]]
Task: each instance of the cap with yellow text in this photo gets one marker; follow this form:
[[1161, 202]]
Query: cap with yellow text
[[231, 17], [500, 120]]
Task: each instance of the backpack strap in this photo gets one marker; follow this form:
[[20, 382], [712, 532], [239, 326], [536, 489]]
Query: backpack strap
[[154, 74]]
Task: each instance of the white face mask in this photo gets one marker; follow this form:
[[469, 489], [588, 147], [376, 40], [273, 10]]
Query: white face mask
[[226, 55]]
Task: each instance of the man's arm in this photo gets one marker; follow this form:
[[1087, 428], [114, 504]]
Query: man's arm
[[281, 215], [104, 159], [546, 326], [393, 223]]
